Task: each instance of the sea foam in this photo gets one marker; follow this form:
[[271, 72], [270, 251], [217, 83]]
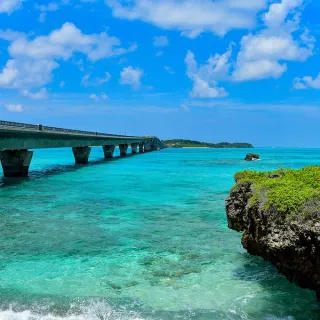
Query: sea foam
[[95, 311]]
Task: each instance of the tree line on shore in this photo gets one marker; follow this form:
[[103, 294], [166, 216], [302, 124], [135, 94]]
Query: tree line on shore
[[181, 143]]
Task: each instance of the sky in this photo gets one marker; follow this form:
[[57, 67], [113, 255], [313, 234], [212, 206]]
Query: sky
[[208, 70]]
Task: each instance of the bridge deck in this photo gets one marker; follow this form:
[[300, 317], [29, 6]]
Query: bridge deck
[[17, 126], [18, 136]]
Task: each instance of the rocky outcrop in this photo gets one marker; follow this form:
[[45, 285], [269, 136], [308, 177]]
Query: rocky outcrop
[[252, 157], [291, 242]]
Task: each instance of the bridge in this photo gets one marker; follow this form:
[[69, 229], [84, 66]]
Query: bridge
[[16, 140]]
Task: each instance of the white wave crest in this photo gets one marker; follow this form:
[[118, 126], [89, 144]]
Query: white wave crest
[[97, 311]]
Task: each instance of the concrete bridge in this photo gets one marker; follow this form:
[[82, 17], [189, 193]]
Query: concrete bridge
[[17, 138]]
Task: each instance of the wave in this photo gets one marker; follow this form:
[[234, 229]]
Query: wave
[[96, 311]]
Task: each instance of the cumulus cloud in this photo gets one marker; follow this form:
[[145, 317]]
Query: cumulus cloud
[[27, 73], [202, 89], [205, 78], [62, 43], [262, 55], [8, 6], [307, 82], [161, 41], [191, 17], [259, 69], [32, 61], [86, 81], [278, 12], [131, 76], [40, 95], [14, 107]]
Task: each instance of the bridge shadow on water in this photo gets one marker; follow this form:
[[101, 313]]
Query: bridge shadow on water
[[58, 169]]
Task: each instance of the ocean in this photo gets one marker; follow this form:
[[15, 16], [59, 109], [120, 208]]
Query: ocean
[[144, 237]]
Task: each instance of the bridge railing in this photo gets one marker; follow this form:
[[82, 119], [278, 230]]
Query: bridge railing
[[18, 125], [40, 127]]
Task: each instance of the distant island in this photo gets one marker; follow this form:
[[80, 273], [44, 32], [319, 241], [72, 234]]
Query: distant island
[[180, 143]]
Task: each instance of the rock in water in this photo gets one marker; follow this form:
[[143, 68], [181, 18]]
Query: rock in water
[[289, 240], [252, 157]]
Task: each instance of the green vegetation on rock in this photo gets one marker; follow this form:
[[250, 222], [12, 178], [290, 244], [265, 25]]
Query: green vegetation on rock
[[287, 190], [180, 143]]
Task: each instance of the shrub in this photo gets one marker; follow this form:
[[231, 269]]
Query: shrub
[[287, 190]]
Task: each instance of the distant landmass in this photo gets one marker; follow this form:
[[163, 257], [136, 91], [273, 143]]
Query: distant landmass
[[180, 143]]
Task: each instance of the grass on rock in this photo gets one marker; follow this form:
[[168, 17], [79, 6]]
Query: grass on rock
[[287, 190]]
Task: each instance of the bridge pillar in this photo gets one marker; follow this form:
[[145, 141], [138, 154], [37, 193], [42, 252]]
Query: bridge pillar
[[108, 151], [141, 147], [123, 150], [81, 154], [154, 147], [147, 146], [134, 148], [16, 163]]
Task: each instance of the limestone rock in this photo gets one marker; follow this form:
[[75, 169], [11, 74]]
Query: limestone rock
[[252, 157], [290, 242]]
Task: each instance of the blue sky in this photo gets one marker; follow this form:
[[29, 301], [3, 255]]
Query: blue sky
[[210, 70]]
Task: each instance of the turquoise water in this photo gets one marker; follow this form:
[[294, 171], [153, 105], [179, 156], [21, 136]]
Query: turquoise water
[[139, 238]]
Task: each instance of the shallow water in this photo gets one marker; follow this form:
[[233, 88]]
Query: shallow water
[[139, 238]]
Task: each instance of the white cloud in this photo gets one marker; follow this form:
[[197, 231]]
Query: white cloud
[[32, 61], [50, 7], [95, 82], [308, 39], [191, 17], [8, 6], [14, 107], [202, 89], [27, 73], [205, 78], [259, 69], [41, 95], [161, 41], [131, 76], [10, 35], [262, 55], [96, 98], [169, 70], [104, 96], [278, 12], [62, 43], [307, 82], [272, 47], [8, 74]]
